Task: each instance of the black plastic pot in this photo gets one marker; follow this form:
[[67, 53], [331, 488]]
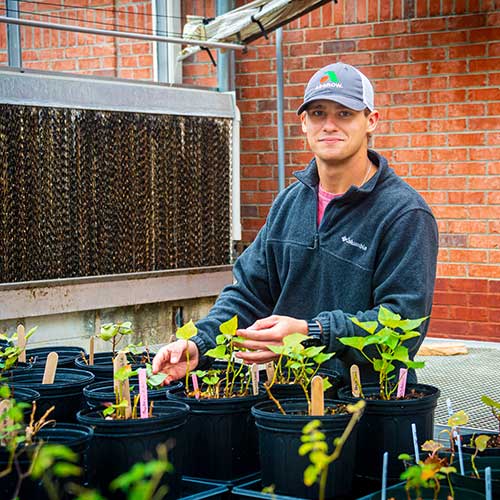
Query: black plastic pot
[[222, 437], [279, 443], [103, 364], [67, 355], [119, 444], [287, 391], [102, 392], [468, 436], [25, 395], [66, 393], [76, 437], [386, 426], [471, 482], [18, 369], [398, 492]]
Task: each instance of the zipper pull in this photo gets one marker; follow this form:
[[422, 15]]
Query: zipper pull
[[314, 243]]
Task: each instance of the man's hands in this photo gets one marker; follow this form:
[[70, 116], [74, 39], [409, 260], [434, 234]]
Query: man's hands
[[171, 359], [265, 332]]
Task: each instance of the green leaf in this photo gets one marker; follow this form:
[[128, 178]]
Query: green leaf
[[355, 342], [311, 426], [220, 339], [310, 475], [378, 365], [458, 418], [230, 326], [409, 335], [294, 339], [401, 353], [447, 470], [490, 402], [323, 357], [411, 324], [156, 380], [415, 364], [186, 331], [481, 442], [367, 326], [387, 318], [217, 352], [277, 349], [404, 456], [63, 469], [310, 352]]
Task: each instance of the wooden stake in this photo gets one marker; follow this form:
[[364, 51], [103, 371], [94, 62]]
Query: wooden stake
[[317, 396], [254, 370], [21, 343], [91, 350], [270, 371], [123, 387], [50, 368], [355, 381]]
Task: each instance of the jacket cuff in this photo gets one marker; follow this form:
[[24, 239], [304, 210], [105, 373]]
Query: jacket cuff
[[204, 361], [324, 324]]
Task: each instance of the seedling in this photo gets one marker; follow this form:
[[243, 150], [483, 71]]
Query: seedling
[[494, 406], [297, 364], [10, 354], [315, 445], [234, 379], [386, 337], [115, 332]]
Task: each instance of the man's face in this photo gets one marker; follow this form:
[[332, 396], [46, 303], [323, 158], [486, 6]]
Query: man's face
[[336, 133]]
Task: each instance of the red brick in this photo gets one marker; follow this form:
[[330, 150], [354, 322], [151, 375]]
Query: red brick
[[489, 64], [491, 241], [448, 327], [449, 154], [484, 35], [414, 69], [467, 256], [428, 140], [468, 50], [447, 125], [427, 25], [375, 43], [484, 271], [451, 269], [470, 21], [456, 299]]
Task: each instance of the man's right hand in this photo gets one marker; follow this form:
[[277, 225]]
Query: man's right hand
[[171, 359]]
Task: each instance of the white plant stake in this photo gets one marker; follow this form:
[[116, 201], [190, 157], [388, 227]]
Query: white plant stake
[[270, 371], [487, 480], [143, 392], [21, 343], [383, 494], [254, 370], [49, 373], [415, 442], [457, 438]]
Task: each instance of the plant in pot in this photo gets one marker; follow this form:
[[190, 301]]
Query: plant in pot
[[124, 437], [101, 364], [99, 393], [296, 367], [61, 387], [386, 424], [222, 435], [37, 460], [13, 352]]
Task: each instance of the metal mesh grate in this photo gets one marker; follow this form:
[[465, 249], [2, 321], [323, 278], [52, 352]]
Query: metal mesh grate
[[464, 379], [87, 192]]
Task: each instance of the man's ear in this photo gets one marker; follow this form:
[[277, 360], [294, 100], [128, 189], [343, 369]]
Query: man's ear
[[303, 116], [372, 121]]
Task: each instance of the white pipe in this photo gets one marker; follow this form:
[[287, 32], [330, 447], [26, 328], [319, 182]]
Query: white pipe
[[235, 183], [120, 34]]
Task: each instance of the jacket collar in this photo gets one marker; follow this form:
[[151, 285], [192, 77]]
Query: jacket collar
[[309, 177]]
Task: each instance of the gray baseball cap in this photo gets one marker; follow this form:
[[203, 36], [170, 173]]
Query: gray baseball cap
[[340, 83]]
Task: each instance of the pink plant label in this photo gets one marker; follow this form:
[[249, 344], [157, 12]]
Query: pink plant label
[[403, 373], [143, 393], [194, 378]]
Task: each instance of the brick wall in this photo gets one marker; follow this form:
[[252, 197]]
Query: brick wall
[[436, 71]]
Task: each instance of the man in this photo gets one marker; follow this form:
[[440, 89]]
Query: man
[[349, 236]]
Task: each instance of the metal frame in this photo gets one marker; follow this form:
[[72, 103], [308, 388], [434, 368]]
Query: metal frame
[[40, 298]]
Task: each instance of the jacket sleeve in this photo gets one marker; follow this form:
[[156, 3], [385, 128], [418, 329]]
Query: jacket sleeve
[[403, 281], [249, 296]]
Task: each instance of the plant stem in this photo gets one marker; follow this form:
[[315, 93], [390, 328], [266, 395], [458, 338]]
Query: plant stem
[[274, 400]]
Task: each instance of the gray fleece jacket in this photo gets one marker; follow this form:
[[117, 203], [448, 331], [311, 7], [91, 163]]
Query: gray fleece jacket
[[376, 245]]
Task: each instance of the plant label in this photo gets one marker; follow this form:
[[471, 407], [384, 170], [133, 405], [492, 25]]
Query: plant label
[[355, 381], [254, 370], [50, 368], [317, 396], [143, 392], [415, 442], [270, 371], [21, 343], [5, 422], [194, 379], [91, 350], [403, 373]]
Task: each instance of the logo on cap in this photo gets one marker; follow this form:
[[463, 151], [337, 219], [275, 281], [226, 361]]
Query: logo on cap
[[329, 76]]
